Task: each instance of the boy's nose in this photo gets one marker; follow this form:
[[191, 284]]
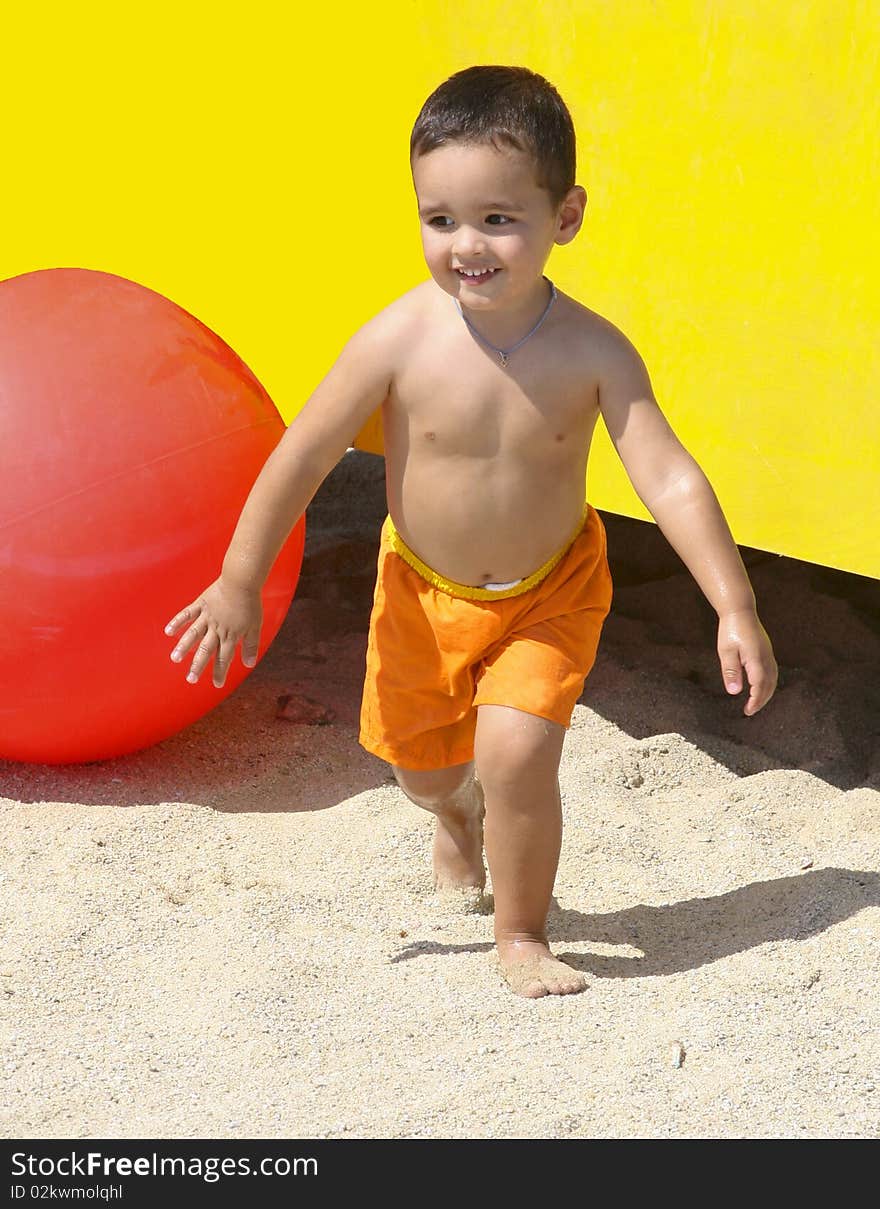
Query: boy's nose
[[469, 243]]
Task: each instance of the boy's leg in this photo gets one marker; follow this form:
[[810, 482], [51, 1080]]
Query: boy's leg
[[455, 797], [517, 758]]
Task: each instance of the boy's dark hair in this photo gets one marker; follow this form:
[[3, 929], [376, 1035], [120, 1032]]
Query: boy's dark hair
[[511, 105]]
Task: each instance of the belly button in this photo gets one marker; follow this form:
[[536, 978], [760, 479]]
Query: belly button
[[560, 436], [432, 436]]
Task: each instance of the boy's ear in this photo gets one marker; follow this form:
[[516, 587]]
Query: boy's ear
[[571, 214]]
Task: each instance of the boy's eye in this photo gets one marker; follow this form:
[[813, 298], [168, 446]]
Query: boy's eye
[[440, 221]]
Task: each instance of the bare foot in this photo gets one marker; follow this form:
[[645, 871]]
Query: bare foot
[[459, 872], [531, 970]]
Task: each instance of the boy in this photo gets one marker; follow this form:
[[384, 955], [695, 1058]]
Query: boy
[[492, 582]]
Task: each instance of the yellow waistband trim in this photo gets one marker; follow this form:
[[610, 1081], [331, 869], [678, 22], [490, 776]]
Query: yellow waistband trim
[[468, 591]]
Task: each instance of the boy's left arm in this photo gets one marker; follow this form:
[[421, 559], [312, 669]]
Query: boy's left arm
[[680, 498]]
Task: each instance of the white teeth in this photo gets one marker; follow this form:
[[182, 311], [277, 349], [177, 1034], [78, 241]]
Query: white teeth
[[475, 272]]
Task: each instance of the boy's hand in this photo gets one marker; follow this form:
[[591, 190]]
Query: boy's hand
[[222, 615], [743, 643]]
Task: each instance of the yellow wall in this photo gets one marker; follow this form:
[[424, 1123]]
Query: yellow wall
[[250, 162]]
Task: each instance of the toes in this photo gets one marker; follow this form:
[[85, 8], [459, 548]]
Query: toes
[[535, 978], [528, 988], [571, 985], [566, 981]]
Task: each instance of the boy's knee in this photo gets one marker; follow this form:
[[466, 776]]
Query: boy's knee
[[432, 787], [513, 747]]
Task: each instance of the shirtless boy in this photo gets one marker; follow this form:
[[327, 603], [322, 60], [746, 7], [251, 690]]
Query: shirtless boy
[[493, 582]]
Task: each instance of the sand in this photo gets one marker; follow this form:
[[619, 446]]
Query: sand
[[232, 934]]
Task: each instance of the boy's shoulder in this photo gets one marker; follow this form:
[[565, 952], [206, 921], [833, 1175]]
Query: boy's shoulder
[[594, 333], [607, 355], [393, 329], [615, 363], [403, 313]]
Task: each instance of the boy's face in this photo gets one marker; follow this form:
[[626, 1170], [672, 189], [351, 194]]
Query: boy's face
[[481, 208]]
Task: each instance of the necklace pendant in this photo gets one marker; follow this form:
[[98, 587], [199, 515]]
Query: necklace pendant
[[503, 357]]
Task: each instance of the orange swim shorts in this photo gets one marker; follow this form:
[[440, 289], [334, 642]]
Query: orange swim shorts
[[436, 653]]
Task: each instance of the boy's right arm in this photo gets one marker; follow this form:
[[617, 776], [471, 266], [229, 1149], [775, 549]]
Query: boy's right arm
[[230, 609]]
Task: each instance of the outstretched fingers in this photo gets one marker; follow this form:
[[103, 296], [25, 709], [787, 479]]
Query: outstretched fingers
[[202, 657], [223, 661], [199, 632], [250, 647], [215, 622], [177, 621]]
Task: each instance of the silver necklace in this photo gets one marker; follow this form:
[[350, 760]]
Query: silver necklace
[[504, 354]]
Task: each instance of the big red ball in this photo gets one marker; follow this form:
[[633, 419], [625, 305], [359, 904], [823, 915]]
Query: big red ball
[[130, 436]]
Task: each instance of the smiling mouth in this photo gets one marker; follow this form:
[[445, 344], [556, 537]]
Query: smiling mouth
[[477, 278]]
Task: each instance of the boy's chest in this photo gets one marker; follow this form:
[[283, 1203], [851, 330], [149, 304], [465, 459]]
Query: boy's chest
[[471, 409]]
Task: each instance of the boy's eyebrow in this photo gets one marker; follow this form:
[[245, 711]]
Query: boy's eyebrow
[[486, 206]]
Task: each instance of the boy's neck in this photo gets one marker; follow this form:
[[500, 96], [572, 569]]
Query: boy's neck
[[503, 327]]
